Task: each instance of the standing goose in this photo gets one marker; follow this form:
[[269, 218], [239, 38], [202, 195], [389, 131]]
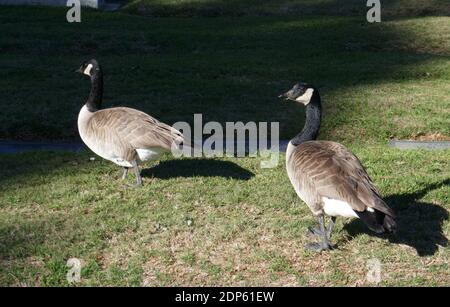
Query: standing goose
[[329, 178], [122, 135]]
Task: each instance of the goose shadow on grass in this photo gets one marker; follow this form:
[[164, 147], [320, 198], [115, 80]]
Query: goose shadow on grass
[[197, 168], [420, 224]]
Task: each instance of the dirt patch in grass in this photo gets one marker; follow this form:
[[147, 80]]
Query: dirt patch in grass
[[436, 136]]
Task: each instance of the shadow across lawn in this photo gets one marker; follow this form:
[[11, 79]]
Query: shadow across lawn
[[197, 168], [226, 69], [37, 167], [419, 223], [214, 8]]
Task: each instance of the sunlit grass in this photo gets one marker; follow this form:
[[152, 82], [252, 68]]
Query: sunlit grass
[[237, 224]]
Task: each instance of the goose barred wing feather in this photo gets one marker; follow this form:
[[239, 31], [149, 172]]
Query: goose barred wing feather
[[330, 170], [135, 128]]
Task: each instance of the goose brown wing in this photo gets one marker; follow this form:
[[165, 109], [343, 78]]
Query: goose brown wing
[[334, 172], [136, 128]]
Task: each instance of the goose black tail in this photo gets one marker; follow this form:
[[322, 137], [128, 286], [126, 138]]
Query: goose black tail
[[377, 221], [389, 224]]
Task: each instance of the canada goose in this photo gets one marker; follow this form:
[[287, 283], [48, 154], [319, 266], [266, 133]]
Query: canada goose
[[122, 135], [328, 177]]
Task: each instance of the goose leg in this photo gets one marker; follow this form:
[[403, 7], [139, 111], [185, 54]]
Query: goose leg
[[315, 231], [137, 173], [331, 226], [324, 244], [125, 173]]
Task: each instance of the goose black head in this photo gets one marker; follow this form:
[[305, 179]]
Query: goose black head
[[89, 68], [300, 92]]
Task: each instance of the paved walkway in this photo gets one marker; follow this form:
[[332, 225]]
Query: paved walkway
[[17, 147], [7, 147]]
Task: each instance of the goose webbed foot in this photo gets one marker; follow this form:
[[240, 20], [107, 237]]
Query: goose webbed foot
[[137, 184], [323, 233], [131, 185], [318, 247]]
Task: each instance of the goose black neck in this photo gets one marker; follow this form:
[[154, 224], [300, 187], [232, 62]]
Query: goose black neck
[[94, 101], [312, 124]]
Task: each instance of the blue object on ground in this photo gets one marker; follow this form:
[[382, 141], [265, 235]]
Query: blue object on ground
[[17, 147]]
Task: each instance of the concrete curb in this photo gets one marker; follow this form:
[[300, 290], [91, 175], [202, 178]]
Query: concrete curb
[[10, 147], [431, 145], [18, 147]]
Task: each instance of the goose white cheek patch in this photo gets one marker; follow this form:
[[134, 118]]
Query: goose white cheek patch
[[88, 69], [306, 97]]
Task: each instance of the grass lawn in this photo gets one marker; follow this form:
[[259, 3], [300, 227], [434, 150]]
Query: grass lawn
[[377, 80], [212, 222], [209, 8], [220, 221]]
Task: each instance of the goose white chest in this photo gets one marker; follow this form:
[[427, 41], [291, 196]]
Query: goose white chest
[[95, 142], [290, 149], [83, 120]]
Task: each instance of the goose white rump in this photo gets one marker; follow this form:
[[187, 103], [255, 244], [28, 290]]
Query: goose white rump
[[334, 207], [146, 154]]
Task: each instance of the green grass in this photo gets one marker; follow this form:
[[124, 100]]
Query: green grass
[[377, 80], [247, 226], [223, 221]]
